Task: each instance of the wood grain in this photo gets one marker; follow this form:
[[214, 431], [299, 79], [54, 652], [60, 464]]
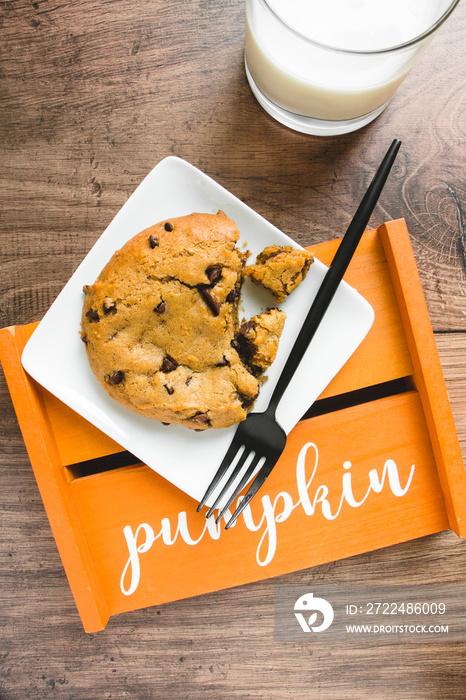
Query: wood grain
[[93, 95]]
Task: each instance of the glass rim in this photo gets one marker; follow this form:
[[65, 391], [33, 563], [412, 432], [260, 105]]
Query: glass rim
[[371, 52]]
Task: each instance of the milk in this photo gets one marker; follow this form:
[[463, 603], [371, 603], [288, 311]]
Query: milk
[[357, 25], [298, 71]]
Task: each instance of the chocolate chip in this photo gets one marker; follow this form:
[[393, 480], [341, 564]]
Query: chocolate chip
[[213, 274], [116, 377], [168, 364], [206, 293], [109, 306], [256, 370], [168, 226], [201, 418], [84, 339], [246, 328], [247, 401], [223, 362], [93, 316], [233, 295], [170, 389], [160, 308], [245, 347], [153, 240], [188, 381], [271, 255]]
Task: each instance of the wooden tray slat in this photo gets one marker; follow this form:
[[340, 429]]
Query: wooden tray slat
[[53, 482], [427, 376]]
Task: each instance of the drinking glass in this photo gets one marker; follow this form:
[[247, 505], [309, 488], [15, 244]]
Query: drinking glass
[[328, 67]]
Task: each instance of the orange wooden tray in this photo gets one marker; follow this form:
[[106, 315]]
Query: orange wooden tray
[[375, 462]]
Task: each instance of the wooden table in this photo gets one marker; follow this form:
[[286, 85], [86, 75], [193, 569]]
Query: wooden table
[[94, 95]]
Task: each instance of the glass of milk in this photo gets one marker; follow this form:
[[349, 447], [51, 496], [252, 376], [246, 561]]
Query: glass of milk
[[328, 67]]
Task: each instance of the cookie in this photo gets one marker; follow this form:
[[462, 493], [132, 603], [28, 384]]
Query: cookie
[[160, 325], [280, 269], [258, 339]]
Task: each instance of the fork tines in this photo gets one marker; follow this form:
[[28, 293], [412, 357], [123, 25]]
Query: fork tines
[[236, 469]]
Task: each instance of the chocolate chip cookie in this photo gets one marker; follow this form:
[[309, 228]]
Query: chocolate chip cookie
[[161, 329]]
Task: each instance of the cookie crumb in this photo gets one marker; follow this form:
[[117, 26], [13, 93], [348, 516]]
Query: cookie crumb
[[280, 269]]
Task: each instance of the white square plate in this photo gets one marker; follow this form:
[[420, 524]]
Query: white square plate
[[56, 358]]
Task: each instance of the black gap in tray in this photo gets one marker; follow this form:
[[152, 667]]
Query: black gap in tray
[[103, 464], [357, 397]]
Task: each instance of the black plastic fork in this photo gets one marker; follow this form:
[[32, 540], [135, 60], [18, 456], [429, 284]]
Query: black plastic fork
[[259, 436]]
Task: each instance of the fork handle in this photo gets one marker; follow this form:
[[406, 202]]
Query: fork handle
[[334, 275]]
